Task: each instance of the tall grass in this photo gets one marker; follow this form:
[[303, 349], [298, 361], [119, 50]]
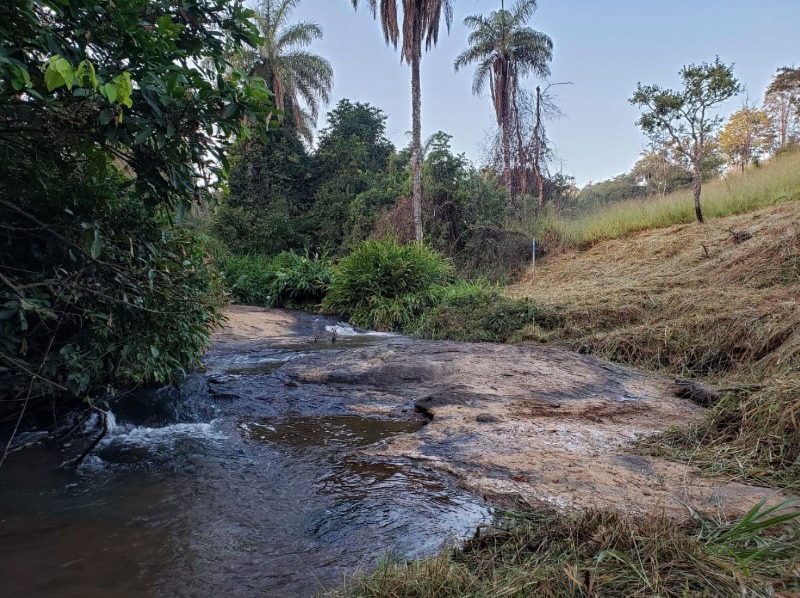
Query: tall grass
[[601, 554], [287, 280], [775, 181]]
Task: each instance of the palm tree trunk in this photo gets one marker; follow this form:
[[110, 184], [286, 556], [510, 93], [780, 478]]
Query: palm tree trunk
[[416, 130], [537, 148], [505, 125]]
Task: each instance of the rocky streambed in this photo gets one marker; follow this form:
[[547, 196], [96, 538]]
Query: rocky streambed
[[308, 450]]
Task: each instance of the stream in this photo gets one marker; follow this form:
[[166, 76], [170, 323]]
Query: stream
[[241, 482]]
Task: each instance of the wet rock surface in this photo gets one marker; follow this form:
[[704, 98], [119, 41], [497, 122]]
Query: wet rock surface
[[538, 424]]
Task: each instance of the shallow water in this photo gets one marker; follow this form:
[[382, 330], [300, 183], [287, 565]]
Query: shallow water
[[235, 484]]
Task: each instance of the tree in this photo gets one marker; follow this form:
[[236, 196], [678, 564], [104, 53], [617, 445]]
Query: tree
[[114, 117], [685, 116], [299, 79], [421, 22], [505, 51], [350, 174], [660, 171], [746, 135], [782, 104]]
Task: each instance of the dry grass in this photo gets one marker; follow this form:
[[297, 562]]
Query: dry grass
[[685, 298], [599, 554], [777, 181], [689, 300]]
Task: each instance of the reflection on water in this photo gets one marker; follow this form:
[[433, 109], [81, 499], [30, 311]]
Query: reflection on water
[[188, 496]]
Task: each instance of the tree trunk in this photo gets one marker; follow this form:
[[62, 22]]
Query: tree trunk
[[506, 127], [416, 130], [697, 182], [537, 148], [521, 186]]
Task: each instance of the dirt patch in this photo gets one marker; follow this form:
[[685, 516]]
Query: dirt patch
[[544, 425]]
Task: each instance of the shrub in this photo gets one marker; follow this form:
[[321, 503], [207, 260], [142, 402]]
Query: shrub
[[287, 280], [118, 296], [298, 280], [495, 253], [475, 312], [385, 285], [248, 278]]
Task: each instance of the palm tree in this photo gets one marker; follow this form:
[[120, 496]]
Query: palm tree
[[421, 21], [299, 79], [505, 51]]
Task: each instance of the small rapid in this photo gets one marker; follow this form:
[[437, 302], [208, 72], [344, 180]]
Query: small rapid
[[239, 482]]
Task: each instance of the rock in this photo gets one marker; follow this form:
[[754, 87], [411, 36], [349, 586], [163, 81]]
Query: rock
[[427, 405], [697, 393], [487, 418]]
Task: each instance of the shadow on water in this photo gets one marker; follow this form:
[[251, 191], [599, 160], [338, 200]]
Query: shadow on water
[[192, 496]]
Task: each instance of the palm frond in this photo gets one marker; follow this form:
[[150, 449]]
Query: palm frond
[[298, 35]]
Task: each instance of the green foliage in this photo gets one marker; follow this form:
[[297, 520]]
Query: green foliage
[[384, 285], [351, 170], [475, 312], [685, 118], [119, 297], [145, 83], [286, 280], [111, 115], [301, 78]]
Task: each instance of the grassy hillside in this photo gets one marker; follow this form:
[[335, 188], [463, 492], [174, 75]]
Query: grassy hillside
[[719, 301], [776, 181]]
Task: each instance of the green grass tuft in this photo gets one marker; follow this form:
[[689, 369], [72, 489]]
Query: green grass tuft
[[602, 553], [385, 285]]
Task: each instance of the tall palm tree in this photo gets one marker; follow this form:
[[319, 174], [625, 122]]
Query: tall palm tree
[[421, 21], [505, 51], [299, 79]]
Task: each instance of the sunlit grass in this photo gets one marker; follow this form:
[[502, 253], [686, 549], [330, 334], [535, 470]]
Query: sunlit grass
[[776, 181]]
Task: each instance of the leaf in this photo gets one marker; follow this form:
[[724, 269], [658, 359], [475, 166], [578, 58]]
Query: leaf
[[110, 91], [154, 351], [66, 71], [53, 79], [20, 79], [124, 89], [142, 136], [230, 110], [97, 245], [105, 116]]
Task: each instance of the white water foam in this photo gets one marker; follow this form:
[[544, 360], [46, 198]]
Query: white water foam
[[343, 329]]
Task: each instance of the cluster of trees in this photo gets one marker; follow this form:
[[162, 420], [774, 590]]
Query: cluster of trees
[[353, 183], [690, 143], [114, 118], [353, 186]]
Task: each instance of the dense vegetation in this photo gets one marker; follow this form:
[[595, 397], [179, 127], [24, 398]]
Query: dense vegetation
[[113, 117]]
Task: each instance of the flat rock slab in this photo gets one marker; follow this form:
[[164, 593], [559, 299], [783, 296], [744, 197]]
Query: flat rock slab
[[537, 424]]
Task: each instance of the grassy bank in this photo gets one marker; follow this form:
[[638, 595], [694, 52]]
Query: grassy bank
[[776, 181], [598, 554], [719, 303], [702, 302]]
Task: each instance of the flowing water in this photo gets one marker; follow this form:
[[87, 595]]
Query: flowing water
[[238, 483]]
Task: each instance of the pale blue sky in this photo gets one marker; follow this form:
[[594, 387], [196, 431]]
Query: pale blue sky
[[602, 46]]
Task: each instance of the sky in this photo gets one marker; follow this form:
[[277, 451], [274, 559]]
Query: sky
[[602, 47]]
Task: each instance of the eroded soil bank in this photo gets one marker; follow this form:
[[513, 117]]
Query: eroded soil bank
[[538, 424]]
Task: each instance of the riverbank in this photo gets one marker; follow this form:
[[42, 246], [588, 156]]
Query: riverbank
[[717, 304], [551, 433]]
